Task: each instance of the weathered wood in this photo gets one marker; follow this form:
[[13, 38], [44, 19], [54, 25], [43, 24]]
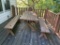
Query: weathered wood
[[13, 10], [24, 36], [11, 24], [43, 26], [3, 36], [11, 32], [52, 18], [43, 34], [29, 16], [39, 12], [33, 29], [53, 21]]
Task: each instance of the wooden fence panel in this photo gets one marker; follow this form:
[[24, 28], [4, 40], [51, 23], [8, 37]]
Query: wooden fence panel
[[54, 20], [39, 12]]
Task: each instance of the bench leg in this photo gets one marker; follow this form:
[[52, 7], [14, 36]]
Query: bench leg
[[31, 27], [43, 34], [11, 32]]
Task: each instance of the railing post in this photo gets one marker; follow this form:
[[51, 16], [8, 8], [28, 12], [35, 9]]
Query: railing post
[[46, 11], [58, 24], [16, 11], [13, 10], [19, 11]]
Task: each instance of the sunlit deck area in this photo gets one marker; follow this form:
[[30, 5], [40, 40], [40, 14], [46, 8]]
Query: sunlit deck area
[[25, 36]]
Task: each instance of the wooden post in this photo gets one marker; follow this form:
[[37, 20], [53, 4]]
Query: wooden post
[[16, 11], [43, 34], [58, 24], [11, 32], [13, 10], [45, 13]]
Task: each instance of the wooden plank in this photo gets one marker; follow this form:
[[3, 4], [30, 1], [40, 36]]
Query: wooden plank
[[12, 23], [43, 26], [3, 31], [19, 37], [3, 37], [11, 32], [29, 16], [29, 38], [33, 29], [10, 39], [24, 38]]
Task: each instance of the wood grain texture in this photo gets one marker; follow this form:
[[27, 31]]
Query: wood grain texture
[[24, 36], [29, 16], [43, 26], [12, 23]]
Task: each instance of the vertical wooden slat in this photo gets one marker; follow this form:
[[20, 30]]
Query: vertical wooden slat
[[58, 25], [13, 10], [53, 19], [17, 10], [39, 12]]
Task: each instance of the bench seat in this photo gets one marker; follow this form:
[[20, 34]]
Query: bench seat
[[11, 24], [43, 25]]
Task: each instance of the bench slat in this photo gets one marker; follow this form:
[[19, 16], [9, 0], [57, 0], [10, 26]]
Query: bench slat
[[11, 24], [43, 25]]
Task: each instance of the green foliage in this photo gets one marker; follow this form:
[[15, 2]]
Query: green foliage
[[53, 5], [57, 6], [42, 4]]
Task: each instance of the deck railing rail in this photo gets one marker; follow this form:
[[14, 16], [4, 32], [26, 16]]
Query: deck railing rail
[[39, 12], [53, 19]]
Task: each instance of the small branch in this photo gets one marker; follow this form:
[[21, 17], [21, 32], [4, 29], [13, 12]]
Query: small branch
[[34, 1], [37, 1], [25, 3]]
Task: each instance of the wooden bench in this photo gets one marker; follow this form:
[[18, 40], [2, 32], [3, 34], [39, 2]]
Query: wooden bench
[[3, 33], [43, 27], [11, 24]]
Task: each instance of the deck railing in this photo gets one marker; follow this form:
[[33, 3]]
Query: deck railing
[[39, 12], [54, 20]]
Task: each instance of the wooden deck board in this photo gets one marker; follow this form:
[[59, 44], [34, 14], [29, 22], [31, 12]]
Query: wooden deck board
[[24, 36], [2, 32]]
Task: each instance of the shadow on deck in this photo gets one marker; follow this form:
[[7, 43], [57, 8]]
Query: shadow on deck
[[25, 36]]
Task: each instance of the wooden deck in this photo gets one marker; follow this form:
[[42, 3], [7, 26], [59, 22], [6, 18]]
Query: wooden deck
[[25, 36]]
